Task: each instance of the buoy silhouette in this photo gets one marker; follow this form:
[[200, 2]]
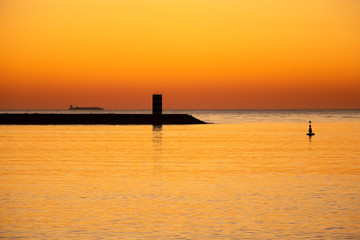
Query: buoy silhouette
[[310, 133]]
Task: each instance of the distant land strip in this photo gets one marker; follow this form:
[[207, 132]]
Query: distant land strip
[[96, 119]]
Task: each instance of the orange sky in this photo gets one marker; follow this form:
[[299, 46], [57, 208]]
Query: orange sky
[[201, 54]]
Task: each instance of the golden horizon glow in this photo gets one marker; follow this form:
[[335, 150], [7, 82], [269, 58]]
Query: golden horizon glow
[[199, 54]]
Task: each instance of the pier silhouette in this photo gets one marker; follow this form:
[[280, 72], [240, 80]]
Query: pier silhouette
[[157, 118]]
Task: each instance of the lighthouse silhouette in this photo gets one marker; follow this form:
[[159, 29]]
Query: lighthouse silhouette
[[157, 104]]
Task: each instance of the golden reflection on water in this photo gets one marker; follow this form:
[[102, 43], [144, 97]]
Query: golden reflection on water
[[238, 181]]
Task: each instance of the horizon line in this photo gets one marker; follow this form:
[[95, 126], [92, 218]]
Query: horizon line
[[188, 109]]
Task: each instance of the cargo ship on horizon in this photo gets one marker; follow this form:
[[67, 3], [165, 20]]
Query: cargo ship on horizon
[[85, 108]]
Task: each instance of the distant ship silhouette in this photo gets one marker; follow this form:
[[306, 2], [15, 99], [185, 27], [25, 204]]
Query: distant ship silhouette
[[85, 108]]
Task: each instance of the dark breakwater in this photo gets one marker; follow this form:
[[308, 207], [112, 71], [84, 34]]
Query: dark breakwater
[[92, 119]]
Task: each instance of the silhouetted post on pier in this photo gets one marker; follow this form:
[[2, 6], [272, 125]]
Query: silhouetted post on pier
[[157, 109], [157, 104]]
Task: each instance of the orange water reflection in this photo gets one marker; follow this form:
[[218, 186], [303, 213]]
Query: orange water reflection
[[253, 181]]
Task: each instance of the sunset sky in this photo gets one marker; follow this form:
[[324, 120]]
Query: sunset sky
[[200, 54]]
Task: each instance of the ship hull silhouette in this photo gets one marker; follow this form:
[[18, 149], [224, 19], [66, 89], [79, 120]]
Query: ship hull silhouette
[[85, 108]]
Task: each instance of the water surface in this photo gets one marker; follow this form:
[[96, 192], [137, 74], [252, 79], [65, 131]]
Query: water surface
[[253, 175]]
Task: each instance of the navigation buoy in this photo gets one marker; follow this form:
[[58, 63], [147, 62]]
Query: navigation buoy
[[310, 133]]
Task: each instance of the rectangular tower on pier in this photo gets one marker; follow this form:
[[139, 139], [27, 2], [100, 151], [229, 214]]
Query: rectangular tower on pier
[[157, 104]]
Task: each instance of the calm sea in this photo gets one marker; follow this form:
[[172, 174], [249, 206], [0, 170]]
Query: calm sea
[[253, 174]]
